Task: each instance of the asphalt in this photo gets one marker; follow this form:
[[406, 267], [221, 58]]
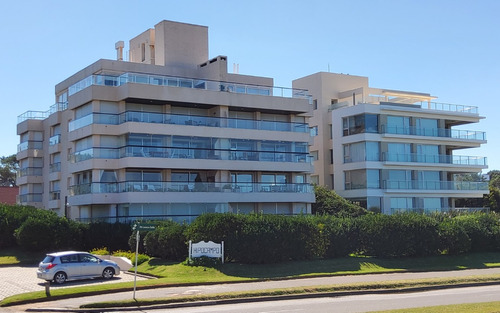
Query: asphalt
[[74, 303]]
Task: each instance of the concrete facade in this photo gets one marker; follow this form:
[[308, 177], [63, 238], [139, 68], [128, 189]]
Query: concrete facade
[[168, 134], [391, 150]]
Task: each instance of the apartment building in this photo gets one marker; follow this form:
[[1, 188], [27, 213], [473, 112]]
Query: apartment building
[[391, 150], [168, 134]]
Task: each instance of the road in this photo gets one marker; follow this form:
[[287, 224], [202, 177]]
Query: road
[[354, 304]]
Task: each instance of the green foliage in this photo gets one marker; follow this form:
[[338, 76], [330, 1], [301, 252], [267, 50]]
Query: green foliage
[[399, 235], [167, 241], [141, 257], [482, 230], [341, 235], [328, 202], [110, 235], [8, 168], [205, 262], [453, 238], [100, 251], [11, 218]]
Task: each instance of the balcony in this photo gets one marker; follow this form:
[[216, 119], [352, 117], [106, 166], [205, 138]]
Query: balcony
[[55, 167], [30, 144], [435, 185], [189, 153], [437, 132], [183, 82], [162, 186], [191, 120], [439, 159], [54, 140], [41, 115], [29, 198], [29, 171]]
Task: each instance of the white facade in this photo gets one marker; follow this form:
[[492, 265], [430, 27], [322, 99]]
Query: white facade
[[391, 150], [169, 134]]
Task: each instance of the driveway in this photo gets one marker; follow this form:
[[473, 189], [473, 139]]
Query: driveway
[[20, 279]]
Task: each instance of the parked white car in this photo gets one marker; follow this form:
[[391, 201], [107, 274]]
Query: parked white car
[[72, 265]]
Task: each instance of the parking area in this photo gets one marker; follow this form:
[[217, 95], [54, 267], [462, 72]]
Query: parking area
[[20, 279]]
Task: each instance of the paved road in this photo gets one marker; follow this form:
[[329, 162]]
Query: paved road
[[20, 279], [354, 303], [220, 288]]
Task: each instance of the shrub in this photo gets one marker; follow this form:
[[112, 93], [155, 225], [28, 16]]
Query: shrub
[[399, 235], [141, 258], [113, 236], [482, 230], [11, 218], [328, 202], [341, 236], [167, 241], [453, 238]]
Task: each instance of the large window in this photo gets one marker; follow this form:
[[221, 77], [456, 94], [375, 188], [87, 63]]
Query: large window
[[426, 127], [398, 152], [362, 151], [398, 125], [362, 123], [362, 179]]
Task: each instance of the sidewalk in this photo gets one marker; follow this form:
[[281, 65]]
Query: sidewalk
[[75, 303]]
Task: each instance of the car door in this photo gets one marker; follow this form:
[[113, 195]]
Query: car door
[[71, 266], [90, 265]]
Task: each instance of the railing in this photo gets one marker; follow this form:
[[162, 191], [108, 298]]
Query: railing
[[55, 167], [434, 132], [438, 210], [163, 186], [158, 80], [189, 153], [426, 105], [179, 119], [29, 197], [435, 185], [29, 171], [30, 144], [54, 140], [41, 115], [55, 195], [435, 158]]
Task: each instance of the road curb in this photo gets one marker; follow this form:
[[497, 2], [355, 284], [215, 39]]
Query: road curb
[[264, 298]]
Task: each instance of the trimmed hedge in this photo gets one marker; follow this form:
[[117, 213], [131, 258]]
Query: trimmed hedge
[[258, 238]]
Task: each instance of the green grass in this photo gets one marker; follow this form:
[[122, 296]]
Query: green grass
[[487, 307], [19, 257], [175, 273]]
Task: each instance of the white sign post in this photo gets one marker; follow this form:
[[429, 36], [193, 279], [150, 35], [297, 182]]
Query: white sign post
[[209, 249]]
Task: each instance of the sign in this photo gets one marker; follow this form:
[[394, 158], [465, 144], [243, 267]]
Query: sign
[[143, 227], [209, 249]]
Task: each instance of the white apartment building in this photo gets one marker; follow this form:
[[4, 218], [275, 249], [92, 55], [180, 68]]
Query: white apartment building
[[391, 150], [168, 134]]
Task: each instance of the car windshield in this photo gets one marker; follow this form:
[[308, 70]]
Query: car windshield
[[48, 259]]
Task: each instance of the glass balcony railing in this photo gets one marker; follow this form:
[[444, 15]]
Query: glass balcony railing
[[415, 102], [31, 144], [438, 158], [192, 120], [435, 185], [29, 171], [189, 153], [435, 132], [182, 82], [55, 167], [162, 186], [41, 115], [55, 195], [54, 140], [437, 210], [29, 197]]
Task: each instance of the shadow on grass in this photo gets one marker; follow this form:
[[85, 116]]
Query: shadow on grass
[[19, 257], [361, 265]]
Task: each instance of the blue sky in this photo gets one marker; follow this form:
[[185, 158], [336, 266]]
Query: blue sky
[[448, 48]]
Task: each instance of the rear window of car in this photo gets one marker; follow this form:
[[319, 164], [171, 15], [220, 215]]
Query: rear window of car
[[48, 259]]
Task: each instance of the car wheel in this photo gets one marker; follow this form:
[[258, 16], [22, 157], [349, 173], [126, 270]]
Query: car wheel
[[108, 273], [60, 277]]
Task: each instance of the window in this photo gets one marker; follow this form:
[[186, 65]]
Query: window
[[362, 151], [331, 156], [362, 179], [426, 127], [399, 152], [315, 155], [315, 104], [362, 123], [314, 131], [330, 129], [398, 125]]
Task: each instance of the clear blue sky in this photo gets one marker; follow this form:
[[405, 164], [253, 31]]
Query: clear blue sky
[[448, 48]]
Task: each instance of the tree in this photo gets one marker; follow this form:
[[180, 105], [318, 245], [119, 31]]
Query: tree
[[8, 169], [329, 202]]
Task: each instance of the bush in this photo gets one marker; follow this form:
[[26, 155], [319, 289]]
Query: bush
[[399, 235], [453, 238], [341, 236], [482, 230], [141, 258], [167, 241], [329, 202], [11, 218], [113, 236]]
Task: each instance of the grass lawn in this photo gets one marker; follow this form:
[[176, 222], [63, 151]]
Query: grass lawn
[[487, 307], [175, 273]]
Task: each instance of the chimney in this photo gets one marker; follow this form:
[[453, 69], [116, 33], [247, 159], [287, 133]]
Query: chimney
[[119, 50]]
